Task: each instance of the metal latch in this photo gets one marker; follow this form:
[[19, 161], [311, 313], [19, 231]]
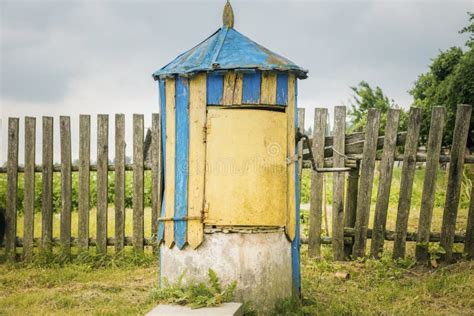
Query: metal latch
[[298, 137]]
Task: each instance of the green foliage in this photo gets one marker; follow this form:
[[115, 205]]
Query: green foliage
[[449, 82], [75, 190], [195, 294], [365, 98]]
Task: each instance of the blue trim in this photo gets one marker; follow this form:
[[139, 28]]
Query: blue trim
[[161, 226], [282, 89], [295, 244], [251, 88], [215, 88], [181, 160]]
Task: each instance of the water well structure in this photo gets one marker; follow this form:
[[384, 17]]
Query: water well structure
[[228, 118]]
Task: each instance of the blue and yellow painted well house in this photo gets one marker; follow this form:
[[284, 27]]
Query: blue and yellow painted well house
[[228, 123]]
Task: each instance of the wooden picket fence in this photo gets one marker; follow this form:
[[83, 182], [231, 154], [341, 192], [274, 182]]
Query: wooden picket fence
[[84, 168], [360, 151], [351, 205]]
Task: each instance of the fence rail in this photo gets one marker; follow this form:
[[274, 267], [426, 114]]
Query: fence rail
[[84, 168]]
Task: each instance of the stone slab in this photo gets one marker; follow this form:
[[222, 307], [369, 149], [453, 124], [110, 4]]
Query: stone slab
[[226, 309]]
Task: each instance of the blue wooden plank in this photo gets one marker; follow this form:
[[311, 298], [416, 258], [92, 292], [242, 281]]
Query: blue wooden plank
[[251, 88], [282, 89], [181, 160], [215, 88], [295, 244], [161, 226]]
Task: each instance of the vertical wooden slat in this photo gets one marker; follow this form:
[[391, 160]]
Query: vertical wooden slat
[[47, 185], [238, 88], [366, 181], [102, 181], [156, 175], [429, 185], [453, 190], [291, 216], [12, 183], [138, 228], [469, 242], [66, 184], [119, 181], [161, 225], [385, 182], [197, 157], [170, 156], [406, 182], [251, 88], [315, 219], [29, 188], [338, 183], [84, 178], [269, 88], [351, 204], [229, 87]]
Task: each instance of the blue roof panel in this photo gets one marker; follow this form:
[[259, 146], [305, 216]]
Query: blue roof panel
[[228, 49]]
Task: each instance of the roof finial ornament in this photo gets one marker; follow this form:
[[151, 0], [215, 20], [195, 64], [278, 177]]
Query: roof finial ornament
[[228, 16]]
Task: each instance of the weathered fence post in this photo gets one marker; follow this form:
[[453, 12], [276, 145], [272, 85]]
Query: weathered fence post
[[29, 188], [385, 182], [351, 204], [338, 183], [461, 130], [157, 179], [366, 182], [102, 181], [429, 185], [315, 219], [406, 182], [469, 242], [66, 184], [119, 181], [84, 180], [138, 224], [47, 184], [12, 183]]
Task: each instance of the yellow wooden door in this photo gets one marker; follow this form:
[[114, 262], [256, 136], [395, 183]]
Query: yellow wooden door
[[246, 170]]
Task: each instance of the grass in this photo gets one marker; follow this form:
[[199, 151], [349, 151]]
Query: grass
[[124, 284]]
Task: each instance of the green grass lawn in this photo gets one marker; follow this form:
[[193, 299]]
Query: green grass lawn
[[122, 285]]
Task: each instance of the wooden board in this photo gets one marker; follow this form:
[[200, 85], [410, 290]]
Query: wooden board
[[12, 183], [197, 157], [119, 181], [102, 181], [138, 182], [161, 225], [84, 180], [156, 176], [229, 87], [282, 89], [170, 160], [290, 136], [269, 88], [66, 184], [29, 187], [251, 88], [246, 187], [238, 88], [181, 161], [47, 185], [215, 88]]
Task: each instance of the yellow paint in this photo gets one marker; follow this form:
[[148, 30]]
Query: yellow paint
[[290, 114], [197, 157], [246, 172], [269, 88], [229, 83], [170, 159], [238, 88]]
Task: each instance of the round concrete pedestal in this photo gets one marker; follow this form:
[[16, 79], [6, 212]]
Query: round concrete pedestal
[[259, 262]]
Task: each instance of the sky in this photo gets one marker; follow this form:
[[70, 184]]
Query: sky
[[90, 57]]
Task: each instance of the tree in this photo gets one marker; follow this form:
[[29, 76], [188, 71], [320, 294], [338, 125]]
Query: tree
[[365, 98], [449, 82]]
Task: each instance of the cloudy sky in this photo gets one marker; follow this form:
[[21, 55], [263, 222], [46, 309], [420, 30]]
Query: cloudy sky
[[72, 57]]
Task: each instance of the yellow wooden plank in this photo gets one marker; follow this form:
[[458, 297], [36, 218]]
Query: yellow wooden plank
[[229, 83], [269, 86], [170, 159], [197, 157], [238, 88], [290, 114], [246, 177]]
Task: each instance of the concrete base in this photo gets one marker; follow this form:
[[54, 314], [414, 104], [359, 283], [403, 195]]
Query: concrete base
[[259, 262], [226, 309]]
